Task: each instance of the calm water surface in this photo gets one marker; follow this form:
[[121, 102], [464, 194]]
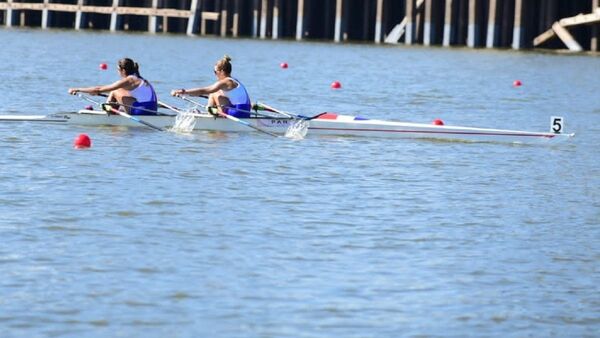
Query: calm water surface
[[241, 235]]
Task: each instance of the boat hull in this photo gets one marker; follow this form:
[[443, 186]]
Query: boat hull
[[340, 126]]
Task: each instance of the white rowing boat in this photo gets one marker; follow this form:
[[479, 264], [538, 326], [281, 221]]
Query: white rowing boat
[[325, 124]]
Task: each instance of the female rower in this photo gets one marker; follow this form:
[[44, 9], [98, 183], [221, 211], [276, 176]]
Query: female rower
[[227, 94], [132, 91]]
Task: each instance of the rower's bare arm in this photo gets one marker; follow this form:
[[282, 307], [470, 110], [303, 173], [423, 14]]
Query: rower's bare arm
[[200, 91], [95, 90]]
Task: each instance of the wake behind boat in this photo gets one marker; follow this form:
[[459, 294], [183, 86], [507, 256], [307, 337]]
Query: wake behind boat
[[323, 124]]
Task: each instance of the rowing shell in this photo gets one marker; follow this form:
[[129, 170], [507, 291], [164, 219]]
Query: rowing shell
[[327, 124]]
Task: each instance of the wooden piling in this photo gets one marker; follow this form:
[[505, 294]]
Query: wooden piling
[[492, 28], [409, 34], [263, 18], [448, 29], [473, 30], [192, 19], [594, 43], [152, 22], [45, 15], [418, 22], [378, 21], [518, 29], [223, 18], [9, 14], [255, 4], [79, 15], [428, 24], [337, 35], [275, 28], [236, 19], [300, 20], [113, 16]]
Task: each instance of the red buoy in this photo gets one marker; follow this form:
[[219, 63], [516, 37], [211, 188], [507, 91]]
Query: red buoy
[[82, 141], [438, 122], [336, 85], [103, 66], [284, 65], [517, 83]]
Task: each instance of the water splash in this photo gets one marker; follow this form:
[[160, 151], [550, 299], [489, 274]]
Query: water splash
[[298, 130], [184, 123]]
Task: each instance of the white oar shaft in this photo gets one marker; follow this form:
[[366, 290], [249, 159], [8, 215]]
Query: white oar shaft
[[277, 111], [124, 114]]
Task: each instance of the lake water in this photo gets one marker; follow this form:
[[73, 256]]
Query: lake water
[[241, 235]]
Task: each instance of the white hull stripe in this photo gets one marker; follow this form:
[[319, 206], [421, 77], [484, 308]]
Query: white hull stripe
[[433, 132]]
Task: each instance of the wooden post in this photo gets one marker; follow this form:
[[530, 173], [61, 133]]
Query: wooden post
[[517, 28], [492, 32], [473, 32], [378, 20], [152, 19], [45, 15], [223, 18], [337, 35], [595, 31], [263, 18], [255, 18], [191, 24], [418, 22], [300, 20], [113, 16], [410, 23], [428, 24], [236, 19], [275, 29], [448, 24], [9, 14], [78, 15]]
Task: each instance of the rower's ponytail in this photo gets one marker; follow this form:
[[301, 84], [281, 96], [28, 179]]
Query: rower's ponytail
[[136, 69]]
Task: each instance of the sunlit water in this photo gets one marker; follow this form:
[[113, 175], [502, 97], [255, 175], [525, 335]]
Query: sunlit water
[[244, 235]]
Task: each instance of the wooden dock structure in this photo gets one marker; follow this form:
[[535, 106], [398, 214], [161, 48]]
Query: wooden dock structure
[[515, 24]]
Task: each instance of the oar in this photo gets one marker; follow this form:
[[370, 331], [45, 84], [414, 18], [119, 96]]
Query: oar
[[108, 107], [175, 109], [89, 99], [232, 118], [262, 106]]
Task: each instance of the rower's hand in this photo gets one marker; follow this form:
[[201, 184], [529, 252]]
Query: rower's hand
[[177, 92], [73, 91]]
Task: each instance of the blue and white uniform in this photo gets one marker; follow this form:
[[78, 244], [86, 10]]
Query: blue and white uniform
[[145, 97], [239, 99]]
